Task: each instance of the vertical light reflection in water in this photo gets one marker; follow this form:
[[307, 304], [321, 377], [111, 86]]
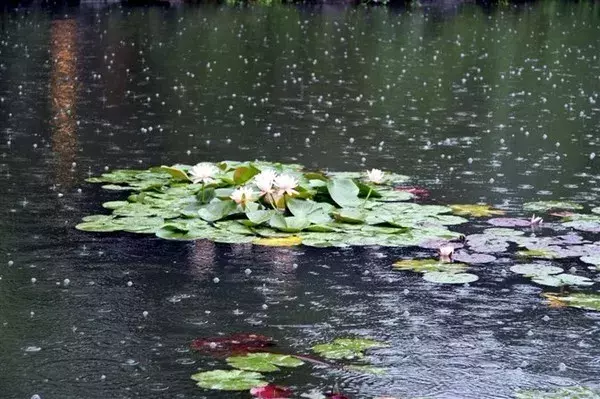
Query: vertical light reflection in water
[[63, 97]]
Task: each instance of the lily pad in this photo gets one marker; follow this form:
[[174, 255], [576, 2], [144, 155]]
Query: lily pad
[[450, 278], [560, 280], [576, 300], [263, 362], [592, 260], [543, 206], [278, 241], [347, 348], [229, 380], [509, 222], [535, 269], [344, 192], [502, 232], [583, 225], [475, 210], [271, 391], [465, 257], [233, 344], [538, 253], [428, 265]]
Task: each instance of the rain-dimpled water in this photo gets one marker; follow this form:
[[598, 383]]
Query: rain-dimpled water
[[495, 105]]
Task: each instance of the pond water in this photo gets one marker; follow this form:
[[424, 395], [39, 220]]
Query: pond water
[[493, 105]]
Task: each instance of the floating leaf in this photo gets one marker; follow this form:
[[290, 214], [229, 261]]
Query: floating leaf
[[592, 260], [350, 215], [218, 210], [502, 232], [229, 380], [576, 300], [263, 362], [535, 269], [347, 348], [560, 280], [290, 224], [233, 344], [582, 225], [243, 174], [561, 393], [428, 265], [538, 253], [176, 173], [418, 192], [465, 257], [278, 241], [344, 192], [543, 206], [475, 210], [114, 204], [271, 391], [509, 222], [450, 278]]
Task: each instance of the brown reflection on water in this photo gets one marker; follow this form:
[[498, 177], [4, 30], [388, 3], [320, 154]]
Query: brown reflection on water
[[63, 97]]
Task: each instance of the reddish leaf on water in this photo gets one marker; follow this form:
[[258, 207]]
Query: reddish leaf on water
[[562, 214], [418, 192], [237, 344], [271, 391]]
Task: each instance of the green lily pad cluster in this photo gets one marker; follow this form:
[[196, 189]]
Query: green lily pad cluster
[[248, 368], [551, 276], [319, 209], [248, 371]]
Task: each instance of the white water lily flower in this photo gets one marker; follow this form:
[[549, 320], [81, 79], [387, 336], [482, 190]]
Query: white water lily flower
[[535, 220], [243, 195], [203, 172], [286, 184], [375, 176], [264, 181], [446, 251]]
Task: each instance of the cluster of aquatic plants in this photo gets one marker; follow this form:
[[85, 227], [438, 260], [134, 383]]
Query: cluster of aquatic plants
[[282, 204], [270, 204], [251, 356]]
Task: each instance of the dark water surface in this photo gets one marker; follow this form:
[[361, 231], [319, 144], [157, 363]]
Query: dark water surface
[[500, 106]]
